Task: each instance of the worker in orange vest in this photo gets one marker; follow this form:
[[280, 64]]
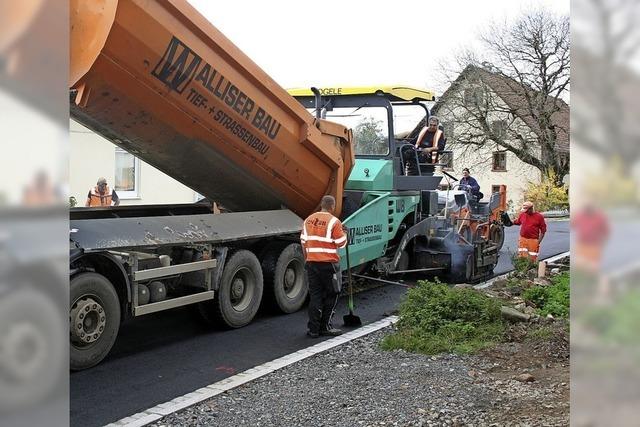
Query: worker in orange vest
[[430, 140], [41, 192], [532, 231], [101, 195], [322, 235]]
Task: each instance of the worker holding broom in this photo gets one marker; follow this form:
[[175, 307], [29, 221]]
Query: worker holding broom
[[322, 236]]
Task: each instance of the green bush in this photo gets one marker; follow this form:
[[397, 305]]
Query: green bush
[[522, 265], [435, 318], [546, 195], [553, 299], [619, 322]]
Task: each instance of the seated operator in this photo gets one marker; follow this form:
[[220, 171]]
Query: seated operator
[[467, 182], [430, 140]]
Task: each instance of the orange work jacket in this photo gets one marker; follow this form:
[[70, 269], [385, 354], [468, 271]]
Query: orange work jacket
[[321, 237], [97, 199]]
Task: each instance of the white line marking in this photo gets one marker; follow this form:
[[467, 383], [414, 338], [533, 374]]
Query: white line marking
[[157, 412]]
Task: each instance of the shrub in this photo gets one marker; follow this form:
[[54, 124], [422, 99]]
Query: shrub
[[553, 299], [617, 323], [435, 318], [522, 265], [546, 195]]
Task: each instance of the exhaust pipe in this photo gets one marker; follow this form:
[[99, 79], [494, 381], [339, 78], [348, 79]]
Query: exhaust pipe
[[316, 93]]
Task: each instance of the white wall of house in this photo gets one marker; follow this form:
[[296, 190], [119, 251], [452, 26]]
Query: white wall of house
[[479, 159], [516, 176], [92, 156]]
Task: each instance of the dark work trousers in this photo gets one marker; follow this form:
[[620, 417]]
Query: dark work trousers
[[322, 298]]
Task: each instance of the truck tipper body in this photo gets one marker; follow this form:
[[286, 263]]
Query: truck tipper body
[[157, 79], [160, 81]]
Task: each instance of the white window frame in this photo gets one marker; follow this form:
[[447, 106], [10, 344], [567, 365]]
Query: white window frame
[[129, 195]]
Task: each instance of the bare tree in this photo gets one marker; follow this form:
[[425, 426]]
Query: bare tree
[[511, 94], [608, 87]]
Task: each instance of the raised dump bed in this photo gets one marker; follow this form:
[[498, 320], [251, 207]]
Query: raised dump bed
[[182, 97]]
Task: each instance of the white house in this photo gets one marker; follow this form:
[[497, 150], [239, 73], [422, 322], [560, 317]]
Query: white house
[[136, 182], [504, 115]]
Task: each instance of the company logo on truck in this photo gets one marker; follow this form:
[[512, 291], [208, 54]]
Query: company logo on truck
[[177, 66], [180, 66], [365, 233]]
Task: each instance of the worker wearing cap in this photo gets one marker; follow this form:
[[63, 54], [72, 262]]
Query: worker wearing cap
[[322, 235], [101, 195], [532, 231]]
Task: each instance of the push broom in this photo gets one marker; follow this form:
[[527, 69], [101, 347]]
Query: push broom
[[350, 319]]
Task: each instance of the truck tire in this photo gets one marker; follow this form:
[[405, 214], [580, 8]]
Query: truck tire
[[32, 334], [285, 283], [240, 292], [94, 315]]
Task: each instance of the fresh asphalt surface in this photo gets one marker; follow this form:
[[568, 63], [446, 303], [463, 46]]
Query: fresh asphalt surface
[[164, 355]]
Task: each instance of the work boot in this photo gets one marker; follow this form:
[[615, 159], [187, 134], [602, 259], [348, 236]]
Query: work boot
[[333, 332], [313, 334]]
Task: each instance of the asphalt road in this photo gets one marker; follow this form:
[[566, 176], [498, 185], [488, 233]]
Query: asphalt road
[[164, 355]]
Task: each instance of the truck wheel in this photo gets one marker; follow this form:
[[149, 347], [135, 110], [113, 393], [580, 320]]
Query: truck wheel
[[240, 292], [94, 316], [32, 348], [285, 284]]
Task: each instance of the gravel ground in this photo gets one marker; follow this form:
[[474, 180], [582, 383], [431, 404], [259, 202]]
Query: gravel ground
[[359, 384]]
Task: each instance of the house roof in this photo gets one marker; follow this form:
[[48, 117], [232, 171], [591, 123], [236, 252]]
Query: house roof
[[512, 93]]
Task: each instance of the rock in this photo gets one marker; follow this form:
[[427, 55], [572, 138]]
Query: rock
[[541, 281], [520, 306], [550, 317], [500, 282], [525, 378], [463, 286], [513, 315], [555, 270], [516, 290], [529, 310]]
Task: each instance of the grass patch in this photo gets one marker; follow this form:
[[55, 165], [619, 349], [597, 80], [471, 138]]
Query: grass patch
[[552, 299], [619, 322], [522, 265], [543, 333], [435, 318]]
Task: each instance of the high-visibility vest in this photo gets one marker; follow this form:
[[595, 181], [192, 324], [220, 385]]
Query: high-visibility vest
[[97, 199], [34, 196], [321, 237], [434, 142]]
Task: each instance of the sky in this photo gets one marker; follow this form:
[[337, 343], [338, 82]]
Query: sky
[[358, 43]]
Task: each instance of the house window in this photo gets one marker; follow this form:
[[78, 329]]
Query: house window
[[499, 161], [499, 127], [495, 188], [127, 175], [473, 96]]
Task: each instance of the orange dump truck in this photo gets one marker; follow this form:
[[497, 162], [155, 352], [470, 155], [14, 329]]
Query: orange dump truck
[[157, 79]]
